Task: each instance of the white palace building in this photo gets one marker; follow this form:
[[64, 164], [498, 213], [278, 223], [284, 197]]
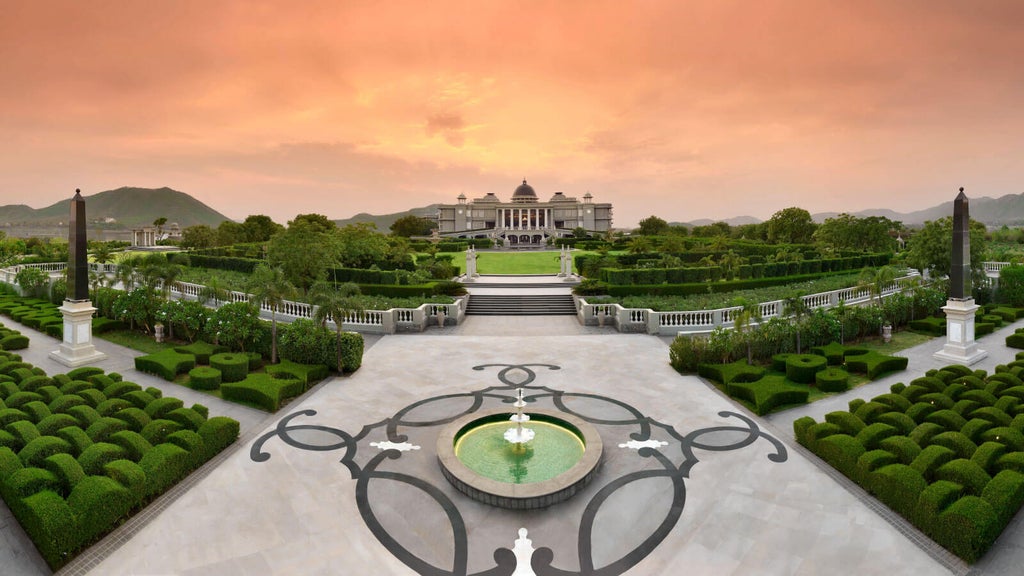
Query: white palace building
[[524, 220]]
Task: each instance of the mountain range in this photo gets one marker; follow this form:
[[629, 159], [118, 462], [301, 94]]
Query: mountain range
[[123, 207], [1008, 210], [128, 207]]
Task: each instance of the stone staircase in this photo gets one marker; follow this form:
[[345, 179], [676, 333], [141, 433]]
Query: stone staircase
[[521, 305]]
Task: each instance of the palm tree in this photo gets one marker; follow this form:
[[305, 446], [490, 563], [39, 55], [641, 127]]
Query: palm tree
[[639, 245], [730, 263], [875, 280], [125, 275], [169, 275], [270, 287], [795, 306], [749, 312], [335, 302], [213, 290]]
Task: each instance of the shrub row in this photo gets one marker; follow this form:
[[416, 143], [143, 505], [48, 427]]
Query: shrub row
[[79, 451], [945, 451]]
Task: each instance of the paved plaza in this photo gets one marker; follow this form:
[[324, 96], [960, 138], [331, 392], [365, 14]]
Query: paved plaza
[[345, 480]]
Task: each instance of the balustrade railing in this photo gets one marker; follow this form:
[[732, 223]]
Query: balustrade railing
[[373, 321], [704, 321]]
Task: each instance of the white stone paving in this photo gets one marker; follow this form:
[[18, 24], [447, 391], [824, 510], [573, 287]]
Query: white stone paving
[[297, 514]]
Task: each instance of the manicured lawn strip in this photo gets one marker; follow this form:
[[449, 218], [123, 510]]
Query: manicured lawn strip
[[82, 451], [530, 262], [946, 452], [136, 341]]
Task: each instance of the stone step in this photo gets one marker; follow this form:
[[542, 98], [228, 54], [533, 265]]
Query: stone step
[[525, 305]]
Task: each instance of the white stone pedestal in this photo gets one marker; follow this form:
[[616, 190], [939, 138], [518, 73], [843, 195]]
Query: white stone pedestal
[[960, 346], [77, 348]]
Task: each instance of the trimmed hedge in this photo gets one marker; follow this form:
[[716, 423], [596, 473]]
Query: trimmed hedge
[[166, 364], [233, 366], [768, 393], [204, 378], [946, 452], [201, 350], [263, 390], [802, 367], [93, 456]]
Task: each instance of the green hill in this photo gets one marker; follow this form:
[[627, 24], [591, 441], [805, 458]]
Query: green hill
[[384, 221], [129, 207]]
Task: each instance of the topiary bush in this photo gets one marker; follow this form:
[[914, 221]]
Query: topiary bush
[[802, 367], [89, 459], [166, 364], [204, 378], [233, 367], [946, 452], [201, 350], [262, 390]]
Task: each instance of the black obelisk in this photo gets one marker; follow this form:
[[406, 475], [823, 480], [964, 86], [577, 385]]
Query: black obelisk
[[78, 264], [960, 265]]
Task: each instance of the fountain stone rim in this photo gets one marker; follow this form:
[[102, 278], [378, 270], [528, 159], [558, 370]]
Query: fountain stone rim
[[519, 496]]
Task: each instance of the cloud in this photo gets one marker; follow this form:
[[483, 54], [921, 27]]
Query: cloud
[[451, 126]]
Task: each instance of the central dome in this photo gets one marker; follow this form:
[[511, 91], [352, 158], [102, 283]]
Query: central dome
[[524, 193]]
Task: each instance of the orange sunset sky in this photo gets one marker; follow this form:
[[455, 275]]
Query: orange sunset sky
[[681, 108]]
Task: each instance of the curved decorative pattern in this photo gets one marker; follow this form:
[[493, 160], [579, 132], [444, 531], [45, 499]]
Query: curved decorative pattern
[[663, 455]]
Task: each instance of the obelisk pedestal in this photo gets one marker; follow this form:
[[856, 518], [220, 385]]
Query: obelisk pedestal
[[960, 309], [77, 348], [960, 346]]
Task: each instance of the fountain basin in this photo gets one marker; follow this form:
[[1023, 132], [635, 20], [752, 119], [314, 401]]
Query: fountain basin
[[495, 474]]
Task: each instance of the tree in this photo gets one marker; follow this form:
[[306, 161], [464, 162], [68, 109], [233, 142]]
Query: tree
[[360, 245], [673, 244], [730, 263], [198, 236], [269, 287], [213, 290], [169, 275], [335, 303], [159, 223], [749, 312], [304, 252], [931, 248], [875, 280], [259, 228], [229, 232], [652, 226], [639, 245], [318, 222], [580, 233], [711, 230], [33, 281], [795, 306], [791, 226], [846, 232], [412, 225], [125, 275]]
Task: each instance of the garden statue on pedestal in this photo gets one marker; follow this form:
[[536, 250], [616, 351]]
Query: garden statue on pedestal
[[77, 348]]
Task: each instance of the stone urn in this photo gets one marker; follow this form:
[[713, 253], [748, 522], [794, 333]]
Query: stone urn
[[887, 333], [158, 332], [440, 317], [600, 317]]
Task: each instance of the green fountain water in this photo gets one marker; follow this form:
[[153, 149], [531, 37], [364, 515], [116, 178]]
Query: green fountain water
[[554, 449]]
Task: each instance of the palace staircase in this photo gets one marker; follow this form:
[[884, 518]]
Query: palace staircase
[[508, 295]]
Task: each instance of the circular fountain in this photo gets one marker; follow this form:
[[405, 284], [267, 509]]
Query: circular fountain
[[518, 466]]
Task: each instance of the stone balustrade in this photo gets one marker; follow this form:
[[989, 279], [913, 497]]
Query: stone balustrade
[[368, 321], [695, 322]]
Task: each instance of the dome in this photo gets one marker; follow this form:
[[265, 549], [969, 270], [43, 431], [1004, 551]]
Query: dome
[[524, 193]]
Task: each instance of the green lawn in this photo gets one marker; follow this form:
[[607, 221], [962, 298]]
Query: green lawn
[[136, 340], [510, 262]]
